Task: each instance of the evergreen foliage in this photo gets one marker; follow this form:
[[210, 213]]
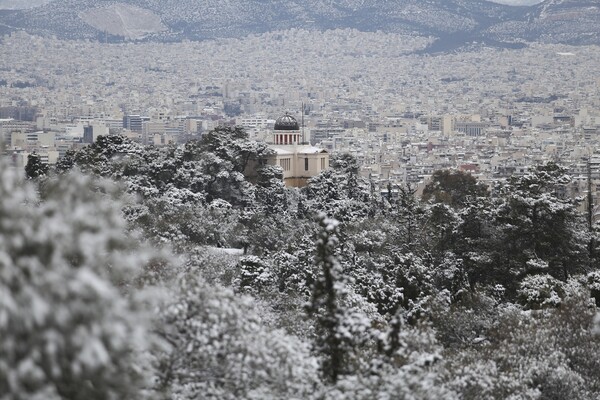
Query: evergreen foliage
[[35, 168], [464, 293], [325, 302], [455, 188], [67, 328]]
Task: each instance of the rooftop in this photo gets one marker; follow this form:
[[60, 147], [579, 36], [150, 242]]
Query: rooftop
[[286, 123]]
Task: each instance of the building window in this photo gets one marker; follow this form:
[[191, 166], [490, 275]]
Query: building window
[[306, 164], [322, 163], [285, 163]]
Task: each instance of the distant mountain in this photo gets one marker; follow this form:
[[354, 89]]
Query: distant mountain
[[518, 2], [21, 4], [454, 22], [555, 21]]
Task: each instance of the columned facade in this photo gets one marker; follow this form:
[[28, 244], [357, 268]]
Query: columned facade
[[299, 161]]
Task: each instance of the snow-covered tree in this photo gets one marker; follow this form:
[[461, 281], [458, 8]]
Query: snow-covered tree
[[102, 156], [231, 144], [271, 193], [339, 191], [35, 167], [538, 224], [339, 328], [325, 302], [66, 162], [218, 347], [410, 367], [407, 213], [541, 290], [68, 328], [455, 188], [255, 275], [477, 241]]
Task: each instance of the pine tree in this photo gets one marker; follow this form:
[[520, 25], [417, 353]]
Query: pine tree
[[325, 302], [542, 227], [408, 214], [66, 162], [454, 188], [35, 167]]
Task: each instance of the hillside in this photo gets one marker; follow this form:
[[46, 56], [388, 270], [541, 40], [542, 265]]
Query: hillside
[[21, 4], [455, 22], [574, 22], [123, 20]]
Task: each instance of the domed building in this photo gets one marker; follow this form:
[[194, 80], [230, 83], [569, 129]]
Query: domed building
[[299, 160], [286, 123], [287, 131]]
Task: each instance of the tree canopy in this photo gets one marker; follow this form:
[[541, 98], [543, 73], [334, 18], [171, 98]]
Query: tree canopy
[[143, 272]]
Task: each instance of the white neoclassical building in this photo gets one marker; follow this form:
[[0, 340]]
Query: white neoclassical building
[[300, 161]]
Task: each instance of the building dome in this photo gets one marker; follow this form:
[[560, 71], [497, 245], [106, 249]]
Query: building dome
[[286, 123]]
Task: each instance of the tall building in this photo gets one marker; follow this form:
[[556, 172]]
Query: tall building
[[134, 122], [8, 126], [88, 134]]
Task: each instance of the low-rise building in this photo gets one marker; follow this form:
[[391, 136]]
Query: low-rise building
[[299, 160]]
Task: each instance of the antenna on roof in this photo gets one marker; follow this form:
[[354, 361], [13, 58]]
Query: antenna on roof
[[590, 197]]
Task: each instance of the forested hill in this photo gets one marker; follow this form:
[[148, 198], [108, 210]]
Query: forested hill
[[111, 273], [454, 22]]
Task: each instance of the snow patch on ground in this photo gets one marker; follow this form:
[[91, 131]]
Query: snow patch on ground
[[228, 251]]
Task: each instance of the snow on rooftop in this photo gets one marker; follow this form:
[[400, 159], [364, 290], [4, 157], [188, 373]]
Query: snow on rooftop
[[306, 149], [279, 150]]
